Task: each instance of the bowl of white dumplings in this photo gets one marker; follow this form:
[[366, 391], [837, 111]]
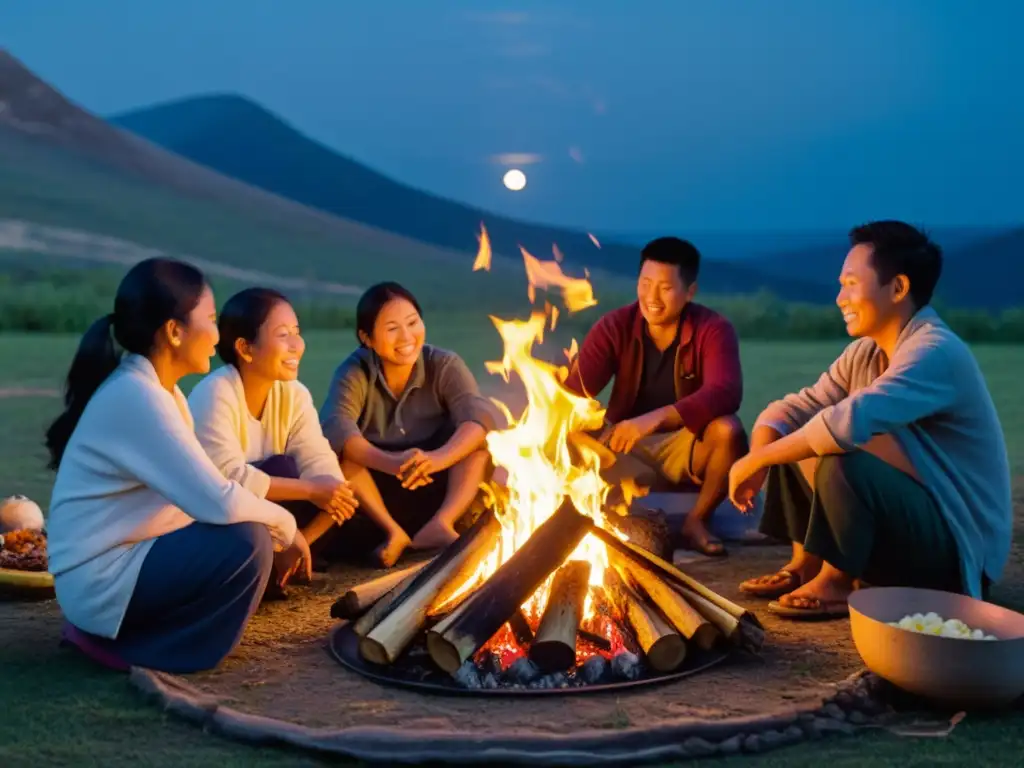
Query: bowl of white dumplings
[[943, 646]]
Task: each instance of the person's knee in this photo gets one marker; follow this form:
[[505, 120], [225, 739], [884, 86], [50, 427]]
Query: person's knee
[[835, 476], [726, 433], [252, 547]]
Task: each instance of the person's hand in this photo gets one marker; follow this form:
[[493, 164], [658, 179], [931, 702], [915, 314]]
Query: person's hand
[[417, 470], [323, 490], [625, 434], [746, 478], [296, 558], [343, 504]]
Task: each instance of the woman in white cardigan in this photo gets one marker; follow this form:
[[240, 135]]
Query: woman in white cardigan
[[158, 560], [257, 422]]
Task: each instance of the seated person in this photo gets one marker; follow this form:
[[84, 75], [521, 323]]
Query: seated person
[[258, 424], [158, 560], [892, 468], [412, 415], [678, 385]]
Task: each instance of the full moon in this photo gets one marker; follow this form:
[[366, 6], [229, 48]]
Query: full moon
[[515, 180]]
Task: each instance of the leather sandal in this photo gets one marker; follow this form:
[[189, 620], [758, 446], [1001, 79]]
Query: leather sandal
[[810, 608], [775, 586]]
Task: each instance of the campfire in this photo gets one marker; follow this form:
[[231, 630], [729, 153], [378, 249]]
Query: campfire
[[545, 589]]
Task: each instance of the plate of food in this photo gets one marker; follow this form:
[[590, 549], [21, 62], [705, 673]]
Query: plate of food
[[24, 565]]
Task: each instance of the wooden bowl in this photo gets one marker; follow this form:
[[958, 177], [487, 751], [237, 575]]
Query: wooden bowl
[[975, 673]]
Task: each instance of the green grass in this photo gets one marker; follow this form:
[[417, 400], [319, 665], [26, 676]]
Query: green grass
[[58, 711]]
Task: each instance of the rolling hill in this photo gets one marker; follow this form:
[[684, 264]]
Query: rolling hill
[[84, 180], [241, 139]]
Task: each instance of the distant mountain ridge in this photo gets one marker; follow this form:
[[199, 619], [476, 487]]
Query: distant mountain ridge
[[241, 139]]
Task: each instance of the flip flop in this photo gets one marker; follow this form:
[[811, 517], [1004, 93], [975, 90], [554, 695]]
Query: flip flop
[[816, 609], [710, 548], [773, 590]]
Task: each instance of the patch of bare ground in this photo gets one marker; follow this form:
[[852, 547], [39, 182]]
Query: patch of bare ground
[[282, 668]]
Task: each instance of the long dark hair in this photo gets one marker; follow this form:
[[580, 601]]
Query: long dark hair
[[242, 316], [151, 293], [373, 301]]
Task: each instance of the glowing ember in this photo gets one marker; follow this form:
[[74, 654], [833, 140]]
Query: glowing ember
[[593, 240], [577, 292], [483, 255], [557, 253]]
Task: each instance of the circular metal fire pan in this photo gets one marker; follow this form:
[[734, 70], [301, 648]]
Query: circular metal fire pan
[[343, 645]]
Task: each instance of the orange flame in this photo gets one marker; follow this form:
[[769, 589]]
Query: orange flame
[[542, 460], [577, 292], [483, 255]]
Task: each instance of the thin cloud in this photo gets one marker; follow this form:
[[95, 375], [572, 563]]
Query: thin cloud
[[516, 158]]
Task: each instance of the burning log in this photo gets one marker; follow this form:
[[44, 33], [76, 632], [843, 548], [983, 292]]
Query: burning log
[[664, 648], [680, 614], [405, 613], [462, 633], [750, 633], [520, 627], [554, 646], [356, 601]]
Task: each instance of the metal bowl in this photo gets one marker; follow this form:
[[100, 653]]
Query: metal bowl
[[976, 673]]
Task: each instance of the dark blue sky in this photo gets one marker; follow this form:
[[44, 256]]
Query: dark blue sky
[[686, 115]]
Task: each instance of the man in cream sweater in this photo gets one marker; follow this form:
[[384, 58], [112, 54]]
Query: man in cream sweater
[[891, 469]]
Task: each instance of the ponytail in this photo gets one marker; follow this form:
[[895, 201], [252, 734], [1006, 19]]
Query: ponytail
[[94, 361]]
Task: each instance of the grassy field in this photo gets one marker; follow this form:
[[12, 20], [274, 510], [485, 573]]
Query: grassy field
[[59, 711]]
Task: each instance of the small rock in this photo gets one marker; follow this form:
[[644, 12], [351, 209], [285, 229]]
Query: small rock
[[626, 666], [557, 678], [467, 676], [845, 700], [594, 669], [695, 746], [523, 671], [752, 743], [834, 711], [795, 733], [857, 717], [731, 746], [773, 739], [490, 682]]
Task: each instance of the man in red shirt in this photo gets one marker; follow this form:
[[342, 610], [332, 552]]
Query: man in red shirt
[[677, 387]]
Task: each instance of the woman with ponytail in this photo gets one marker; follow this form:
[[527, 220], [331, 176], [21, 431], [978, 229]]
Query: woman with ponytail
[[158, 559]]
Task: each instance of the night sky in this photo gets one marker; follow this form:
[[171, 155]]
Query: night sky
[[728, 115]]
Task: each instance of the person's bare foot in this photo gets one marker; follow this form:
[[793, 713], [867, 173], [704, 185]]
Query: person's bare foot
[[392, 549], [818, 591], [435, 535], [697, 537]]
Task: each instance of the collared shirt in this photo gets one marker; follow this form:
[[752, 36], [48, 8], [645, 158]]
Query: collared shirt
[[709, 378], [441, 395]]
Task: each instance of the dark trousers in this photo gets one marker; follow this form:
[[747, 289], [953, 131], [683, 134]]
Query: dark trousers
[[196, 592], [359, 537], [866, 518]]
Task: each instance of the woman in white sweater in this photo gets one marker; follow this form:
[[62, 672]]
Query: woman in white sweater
[[257, 422], [158, 560]]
